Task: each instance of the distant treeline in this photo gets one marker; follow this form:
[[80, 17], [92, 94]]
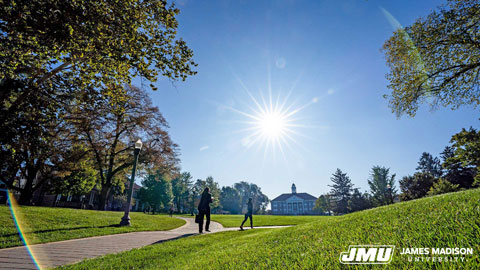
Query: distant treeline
[[182, 193], [455, 170]]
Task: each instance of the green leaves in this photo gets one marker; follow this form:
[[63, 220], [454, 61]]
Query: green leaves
[[70, 29], [466, 145], [382, 185], [436, 60], [99, 35], [57, 54], [442, 186]]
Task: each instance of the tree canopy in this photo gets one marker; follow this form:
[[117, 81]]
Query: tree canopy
[[58, 56], [430, 164], [442, 186], [30, 142], [359, 201], [156, 191], [454, 169], [341, 191], [181, 187], [231, 200], [416, 186], [323, 204], [94, 43], [466, 145], [379, 182], [214, 188], [108, 127], [436, 59], [247, 190]]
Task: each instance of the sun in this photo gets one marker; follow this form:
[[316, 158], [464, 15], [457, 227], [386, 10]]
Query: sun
[[270, 119], [272, 124]]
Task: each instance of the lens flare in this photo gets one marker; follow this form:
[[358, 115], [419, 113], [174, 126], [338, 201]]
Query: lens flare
[[19, 219], [414, 53]]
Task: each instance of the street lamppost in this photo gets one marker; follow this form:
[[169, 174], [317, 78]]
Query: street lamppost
[[126, 218]]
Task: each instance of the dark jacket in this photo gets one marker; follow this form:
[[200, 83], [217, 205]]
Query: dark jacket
[[205, 202], [250, 208]]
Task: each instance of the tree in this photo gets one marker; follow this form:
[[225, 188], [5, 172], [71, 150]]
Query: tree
[[234, 199], [109, 126], [156, 191], [341, 192], [88, 44], [323, 204], [436, 59], [454, 171], [75, 174], [31, 142], [200, 185], [55, 51], [442, 186], [215, 191], [466, 146], [379, 182], [250, 190], [180, 189], [429, 164], [359, 201], [416, 186], [230, 200]]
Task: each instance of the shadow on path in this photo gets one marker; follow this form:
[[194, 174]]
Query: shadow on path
[[174, 238]]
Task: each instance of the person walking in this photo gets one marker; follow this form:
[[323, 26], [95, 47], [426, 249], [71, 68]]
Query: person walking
[[204, 210], [249, 213]]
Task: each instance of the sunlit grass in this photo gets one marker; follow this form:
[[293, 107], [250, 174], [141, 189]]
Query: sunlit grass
[[450, 220], [45, 224], [263, 220]]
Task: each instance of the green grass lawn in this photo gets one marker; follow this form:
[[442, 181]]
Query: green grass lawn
[[44, 224], [449, 220], [263, 220]]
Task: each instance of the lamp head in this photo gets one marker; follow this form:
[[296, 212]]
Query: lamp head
[[138, 144]]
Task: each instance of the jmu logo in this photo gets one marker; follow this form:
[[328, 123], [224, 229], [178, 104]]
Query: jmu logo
[[367, 254]]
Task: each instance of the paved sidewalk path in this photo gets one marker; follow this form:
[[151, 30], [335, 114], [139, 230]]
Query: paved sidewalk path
[[71, 251]]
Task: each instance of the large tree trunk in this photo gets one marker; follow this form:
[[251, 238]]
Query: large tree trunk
[[27, 192], [26, 196], [103, 197]]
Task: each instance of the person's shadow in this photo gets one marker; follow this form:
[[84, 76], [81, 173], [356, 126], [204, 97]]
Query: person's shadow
[[175, 238]]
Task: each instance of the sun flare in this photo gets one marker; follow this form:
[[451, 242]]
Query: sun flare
[[272, 124]]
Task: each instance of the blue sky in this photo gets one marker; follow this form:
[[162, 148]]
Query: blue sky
[[327, 54]]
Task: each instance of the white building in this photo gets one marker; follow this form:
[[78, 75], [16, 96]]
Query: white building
[[293, 203]]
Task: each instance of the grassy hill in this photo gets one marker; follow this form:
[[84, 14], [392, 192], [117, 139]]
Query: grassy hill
[[449, 220], [236, 220], [44, 224]]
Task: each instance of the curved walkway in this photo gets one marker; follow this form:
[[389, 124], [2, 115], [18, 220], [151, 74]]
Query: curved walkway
[[54, 254]]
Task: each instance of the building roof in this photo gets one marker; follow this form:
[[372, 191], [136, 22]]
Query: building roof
[[135, 186], [303, 195]]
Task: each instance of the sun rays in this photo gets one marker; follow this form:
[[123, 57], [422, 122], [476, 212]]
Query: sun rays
[[270, 122]]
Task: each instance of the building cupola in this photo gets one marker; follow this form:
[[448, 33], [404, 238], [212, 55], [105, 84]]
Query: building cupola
[[294, 189]]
